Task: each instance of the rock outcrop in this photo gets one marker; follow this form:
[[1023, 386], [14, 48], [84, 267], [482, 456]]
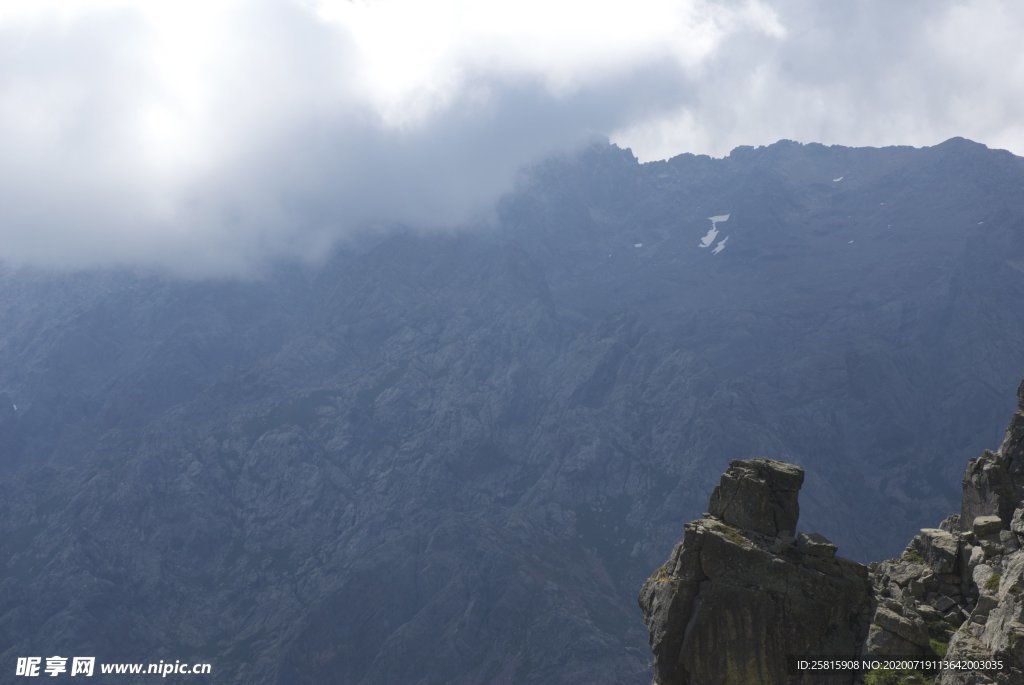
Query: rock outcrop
[[992, 562], [740, 593], [994, 482]]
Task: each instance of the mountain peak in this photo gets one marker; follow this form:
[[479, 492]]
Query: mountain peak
[[963, 143]]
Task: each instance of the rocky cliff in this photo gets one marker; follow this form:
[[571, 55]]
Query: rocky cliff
[[742, 593]]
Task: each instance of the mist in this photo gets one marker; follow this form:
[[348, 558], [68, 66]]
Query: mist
[[213, 139]]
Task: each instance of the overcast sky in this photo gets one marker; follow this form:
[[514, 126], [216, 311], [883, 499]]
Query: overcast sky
[[213, 136]]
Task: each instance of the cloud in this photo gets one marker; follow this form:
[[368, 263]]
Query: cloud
[[214, 137], [867, 73]]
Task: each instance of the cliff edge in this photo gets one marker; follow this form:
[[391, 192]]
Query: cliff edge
[[742, 593]]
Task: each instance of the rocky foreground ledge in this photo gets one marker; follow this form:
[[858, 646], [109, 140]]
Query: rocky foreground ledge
[[743, 591]]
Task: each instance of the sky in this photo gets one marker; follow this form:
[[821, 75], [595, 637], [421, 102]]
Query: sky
[[214, 137]]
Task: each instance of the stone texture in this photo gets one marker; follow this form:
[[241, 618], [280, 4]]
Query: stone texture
[[938, 548], [725, 608], [759, 495], [815, 545], [911, 631], [993, 484], [987, 526], [995, 629], [1017, 522], [730, 600]]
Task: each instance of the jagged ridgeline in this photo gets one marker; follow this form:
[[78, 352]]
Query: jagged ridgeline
[[742, 594]]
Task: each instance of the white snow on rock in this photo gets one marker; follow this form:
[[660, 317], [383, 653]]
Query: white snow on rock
[[638, 244], [721, 245], [712, 233], [837, 180]]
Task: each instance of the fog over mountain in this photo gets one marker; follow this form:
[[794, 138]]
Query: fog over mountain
[[216, 138], [455, 457]]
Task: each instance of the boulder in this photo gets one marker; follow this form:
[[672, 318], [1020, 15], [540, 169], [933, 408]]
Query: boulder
[[938, 549], [1017, 522], [987, 526], [759, 495], [911, 631]]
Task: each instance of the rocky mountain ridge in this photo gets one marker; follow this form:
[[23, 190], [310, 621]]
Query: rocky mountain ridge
[[470, 449], [742, 595]]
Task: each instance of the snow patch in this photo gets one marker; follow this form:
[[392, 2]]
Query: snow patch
[[721, 245], [712, 233], [638, 244], [837, 180], [709, 237]]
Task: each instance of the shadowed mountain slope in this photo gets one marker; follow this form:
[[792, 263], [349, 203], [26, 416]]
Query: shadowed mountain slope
[[454, 458]]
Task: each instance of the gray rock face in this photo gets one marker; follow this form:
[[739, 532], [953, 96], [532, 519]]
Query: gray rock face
[[919, 596], [892, 633], [1017, 524], [759, 495], [939, 549], [994, 482], [733, 600], [987, 526], [815, 545], [995, 628], [956, 591]]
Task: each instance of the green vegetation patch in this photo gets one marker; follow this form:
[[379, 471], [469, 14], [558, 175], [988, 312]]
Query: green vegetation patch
[[732, 534], [912, 555], [938, 646]]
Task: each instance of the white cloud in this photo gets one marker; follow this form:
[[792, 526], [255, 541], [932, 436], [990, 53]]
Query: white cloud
[[867, 73], [210, 136]]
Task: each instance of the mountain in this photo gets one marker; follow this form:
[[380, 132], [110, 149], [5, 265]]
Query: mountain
[[744, 599], [454, 457]]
